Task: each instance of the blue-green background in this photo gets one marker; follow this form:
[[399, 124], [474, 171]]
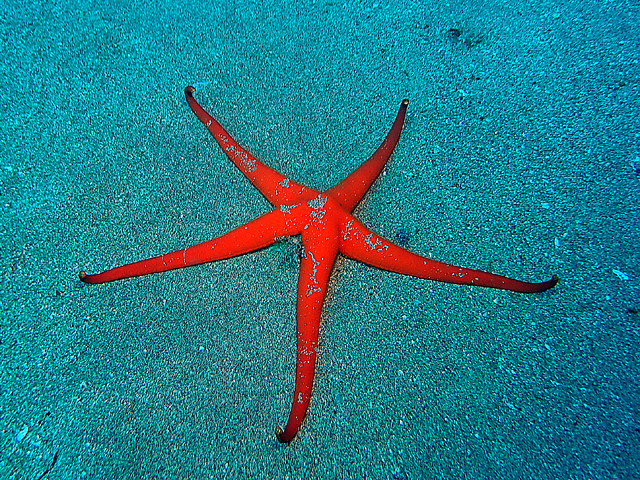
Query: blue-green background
[[520, 155]]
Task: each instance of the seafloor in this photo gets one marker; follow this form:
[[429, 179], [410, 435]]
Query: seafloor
[[520, 155]]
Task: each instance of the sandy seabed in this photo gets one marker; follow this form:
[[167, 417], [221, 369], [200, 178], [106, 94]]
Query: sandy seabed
[[519, 156]]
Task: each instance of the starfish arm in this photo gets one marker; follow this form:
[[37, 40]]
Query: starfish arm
[[351, 190], [359, 243], [257, 234], [315, 268], [276, 188]]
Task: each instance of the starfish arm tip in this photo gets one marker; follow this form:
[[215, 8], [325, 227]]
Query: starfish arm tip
[[89, 279], [548, 285], [189, 91], [405, 101], [281, 436]]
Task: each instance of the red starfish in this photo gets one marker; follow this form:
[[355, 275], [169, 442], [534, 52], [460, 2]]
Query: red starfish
[[327, 227]]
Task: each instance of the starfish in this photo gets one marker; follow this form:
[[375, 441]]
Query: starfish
[[327, 227]]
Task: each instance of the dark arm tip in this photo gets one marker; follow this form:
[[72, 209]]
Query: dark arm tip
[[281, 436]]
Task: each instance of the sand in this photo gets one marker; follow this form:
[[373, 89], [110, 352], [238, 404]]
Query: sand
[[519, 156]]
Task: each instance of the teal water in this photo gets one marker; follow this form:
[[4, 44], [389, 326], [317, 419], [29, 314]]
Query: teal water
[[520, 155]]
